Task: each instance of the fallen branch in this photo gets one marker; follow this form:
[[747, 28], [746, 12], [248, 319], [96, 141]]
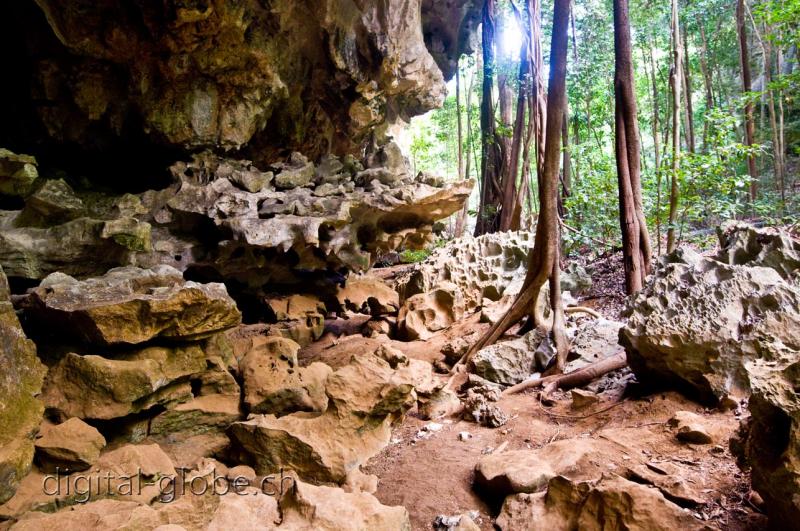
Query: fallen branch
[[582, 309], [572, 379]]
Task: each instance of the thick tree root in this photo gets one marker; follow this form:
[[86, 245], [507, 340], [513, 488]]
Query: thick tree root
[[575, 378]]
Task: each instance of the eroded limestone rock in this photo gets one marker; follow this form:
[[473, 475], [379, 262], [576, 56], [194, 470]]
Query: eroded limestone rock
[[768, 443], [743, 244], [701, 325], [72, 445], [612, 502], [132, 305], [95, 387], [275, 383], [305, 75], [366, 397]]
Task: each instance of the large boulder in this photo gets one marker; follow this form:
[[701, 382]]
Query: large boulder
[[72, 446], [613, 502], [274, 382], [769, 442], [367, 396], [94, 387], [701, 324], [17, 173], [21, 375], [508, 362], [132, 305]]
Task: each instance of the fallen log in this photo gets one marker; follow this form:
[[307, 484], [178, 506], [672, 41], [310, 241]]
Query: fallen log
[[572, 379]]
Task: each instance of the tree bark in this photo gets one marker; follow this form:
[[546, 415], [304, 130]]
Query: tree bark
[[675, 83], [707, 83], [491, 159], [687, 89], [509, 220], [635, 238], [749, 122], [461, 220], [543, 257]]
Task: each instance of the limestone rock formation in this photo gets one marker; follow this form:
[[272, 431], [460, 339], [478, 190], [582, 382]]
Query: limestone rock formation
[[94, 387], [331, 509], [508, 362], [225, 219], [17, 173], [768, 442], [743, 244], [611, 503], [366, 397], [300, 318], [485, 272], [275, 383], [310, 75], [701, 324], [488, 267], [303, 507], [368, 295], [132, 305], [21, 375], [426, 313], [72, 445]]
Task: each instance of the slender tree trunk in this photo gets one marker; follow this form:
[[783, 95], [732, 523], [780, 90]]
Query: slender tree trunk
[[543, 257], [707, 83], [777, 159], [509, 220], [749, 123], [635, 238], [461, 220], [675, 83], [781, 151], [687, 88]]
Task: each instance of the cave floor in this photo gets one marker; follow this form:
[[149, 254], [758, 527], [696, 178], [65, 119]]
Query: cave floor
[[433, 474]]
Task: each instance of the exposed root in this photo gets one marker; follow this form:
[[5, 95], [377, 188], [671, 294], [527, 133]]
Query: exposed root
[[572, 379]]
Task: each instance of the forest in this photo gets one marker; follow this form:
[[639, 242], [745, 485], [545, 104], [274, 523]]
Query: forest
[[708, 84], [395, 265]]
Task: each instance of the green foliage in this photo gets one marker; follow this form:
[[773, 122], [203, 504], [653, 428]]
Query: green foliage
[[410, 256]]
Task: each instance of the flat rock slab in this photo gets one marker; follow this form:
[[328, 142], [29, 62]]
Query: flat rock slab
[[131, 305], [72, 445]]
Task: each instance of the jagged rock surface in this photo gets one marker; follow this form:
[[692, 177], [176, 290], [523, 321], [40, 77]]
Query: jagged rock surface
[[71, 446], [484, 272], [274, 382], [701, 324], [743, 244], [212, 225], [768, 442], [316, 76]]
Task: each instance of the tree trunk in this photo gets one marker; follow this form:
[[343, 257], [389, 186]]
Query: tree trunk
[[687, 88], [707, 83], [461, 220], [635, 238], [491, 159], [543, 257], [749, 122], [777, 159], [675, 83], [509, 220], [566, 170]]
